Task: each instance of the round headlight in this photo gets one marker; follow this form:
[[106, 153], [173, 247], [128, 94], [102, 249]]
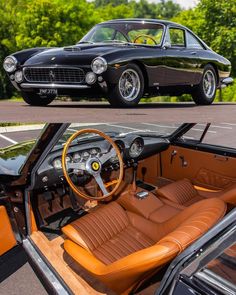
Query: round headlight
[[99, 65], [19, 76], [90, 78], [10, 64]]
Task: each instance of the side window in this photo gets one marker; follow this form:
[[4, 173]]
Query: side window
[[192, 42], [177, 37]]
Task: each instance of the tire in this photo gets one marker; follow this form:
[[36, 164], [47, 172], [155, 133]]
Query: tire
[[204, 94], [124, 94], [34, 99]]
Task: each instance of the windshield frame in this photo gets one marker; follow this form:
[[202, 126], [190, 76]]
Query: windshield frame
[[112, 24]]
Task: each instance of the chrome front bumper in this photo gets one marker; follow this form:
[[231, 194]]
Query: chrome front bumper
[[226, 82], [53, 86]]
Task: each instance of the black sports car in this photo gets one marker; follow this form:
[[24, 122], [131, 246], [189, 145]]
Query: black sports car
[[122, 60], [139, 209]]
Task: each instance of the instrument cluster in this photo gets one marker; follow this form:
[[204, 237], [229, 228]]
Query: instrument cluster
[[80, 156]]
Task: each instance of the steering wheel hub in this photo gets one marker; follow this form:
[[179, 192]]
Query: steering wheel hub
[[93, 165]]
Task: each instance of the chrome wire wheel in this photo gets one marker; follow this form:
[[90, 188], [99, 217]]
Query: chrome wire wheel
[[209, 84], [129, 85]]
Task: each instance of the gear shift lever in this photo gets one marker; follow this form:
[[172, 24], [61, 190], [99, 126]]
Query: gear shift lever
[[134, 185], [138, 194]]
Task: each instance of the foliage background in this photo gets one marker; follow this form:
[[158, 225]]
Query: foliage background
[[27, 23]]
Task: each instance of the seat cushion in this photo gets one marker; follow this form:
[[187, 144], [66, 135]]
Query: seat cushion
[[108, 234], [180, 192]]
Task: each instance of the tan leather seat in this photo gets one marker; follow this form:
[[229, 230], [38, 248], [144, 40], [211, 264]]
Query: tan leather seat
[[120, 248], [183, 193]]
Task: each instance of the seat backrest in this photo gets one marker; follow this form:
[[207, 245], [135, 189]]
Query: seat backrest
[[99, 226]]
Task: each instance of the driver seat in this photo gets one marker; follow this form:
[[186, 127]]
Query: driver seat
[[122, 248]]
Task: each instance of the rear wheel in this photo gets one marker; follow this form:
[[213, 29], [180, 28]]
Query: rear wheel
[[129, 89], [205, 92], [37, 100]]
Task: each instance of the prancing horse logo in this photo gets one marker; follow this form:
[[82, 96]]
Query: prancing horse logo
[[52, 76]]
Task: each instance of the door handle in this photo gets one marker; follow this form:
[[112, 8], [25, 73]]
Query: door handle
[[193, 53], [221, 158], [173, 154]]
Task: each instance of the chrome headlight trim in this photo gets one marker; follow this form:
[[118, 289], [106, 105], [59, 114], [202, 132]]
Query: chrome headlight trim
[[99, 65], [14, 62]]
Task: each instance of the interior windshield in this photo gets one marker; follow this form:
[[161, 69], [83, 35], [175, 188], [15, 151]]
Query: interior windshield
[[139, 33], [120, 130]]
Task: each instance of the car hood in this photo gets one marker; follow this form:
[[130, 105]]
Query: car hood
[[12, 158], [81, 54]]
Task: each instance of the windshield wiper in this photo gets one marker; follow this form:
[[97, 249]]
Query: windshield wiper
[[85, 42]]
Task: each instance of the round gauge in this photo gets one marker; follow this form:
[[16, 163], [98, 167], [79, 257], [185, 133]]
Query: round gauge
[[94, 152], [57, 164], [85, 155], [76, 157], [136, 147], [68, 159]]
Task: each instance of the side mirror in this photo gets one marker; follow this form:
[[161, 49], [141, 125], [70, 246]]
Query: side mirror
[[166, 45]]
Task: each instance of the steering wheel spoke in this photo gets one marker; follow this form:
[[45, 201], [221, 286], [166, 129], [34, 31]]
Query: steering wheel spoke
[[101, 184], [105, 157]]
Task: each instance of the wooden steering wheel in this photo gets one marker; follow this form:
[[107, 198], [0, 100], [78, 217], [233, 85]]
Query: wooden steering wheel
[[145, 36], [93, 166]]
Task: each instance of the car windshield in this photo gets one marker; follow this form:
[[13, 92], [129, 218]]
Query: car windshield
[[120, 130], [142, 33]]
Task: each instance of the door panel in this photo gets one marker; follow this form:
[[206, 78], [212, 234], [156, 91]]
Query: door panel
[[202, 168], [180, 66], [7, 238]]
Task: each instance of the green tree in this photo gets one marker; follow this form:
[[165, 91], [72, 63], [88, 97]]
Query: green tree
[[215, 22], [164, 9]]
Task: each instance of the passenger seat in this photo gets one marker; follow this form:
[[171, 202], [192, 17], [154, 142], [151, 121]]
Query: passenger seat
[[183, 192]]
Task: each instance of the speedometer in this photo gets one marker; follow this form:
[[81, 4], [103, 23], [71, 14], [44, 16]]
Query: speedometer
[[136, 147]]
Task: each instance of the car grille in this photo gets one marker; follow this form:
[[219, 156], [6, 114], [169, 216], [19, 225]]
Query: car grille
[[54, 75]]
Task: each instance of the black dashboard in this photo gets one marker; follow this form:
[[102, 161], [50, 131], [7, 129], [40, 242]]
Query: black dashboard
[[132, 147]]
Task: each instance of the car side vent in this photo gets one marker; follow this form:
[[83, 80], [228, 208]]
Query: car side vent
[[72, 48]]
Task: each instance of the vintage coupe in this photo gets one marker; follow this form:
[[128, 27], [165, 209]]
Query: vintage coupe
[[96, 212], [122, 60]]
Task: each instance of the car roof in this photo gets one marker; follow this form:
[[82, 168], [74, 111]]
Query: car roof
[[139, 20]]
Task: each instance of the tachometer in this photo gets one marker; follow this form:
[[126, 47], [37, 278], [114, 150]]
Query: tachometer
[[85, 155], [94, 152]]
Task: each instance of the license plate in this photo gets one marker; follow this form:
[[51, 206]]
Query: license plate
[[46, 91]]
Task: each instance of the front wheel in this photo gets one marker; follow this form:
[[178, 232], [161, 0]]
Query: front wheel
[[36, 100], [205, 92], [129, 89]]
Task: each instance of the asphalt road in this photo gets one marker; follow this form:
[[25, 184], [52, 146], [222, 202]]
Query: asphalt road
[[103, 112], [218, 133]]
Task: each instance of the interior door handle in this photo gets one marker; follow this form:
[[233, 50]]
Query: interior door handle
[[173, 154], [221, 158]]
